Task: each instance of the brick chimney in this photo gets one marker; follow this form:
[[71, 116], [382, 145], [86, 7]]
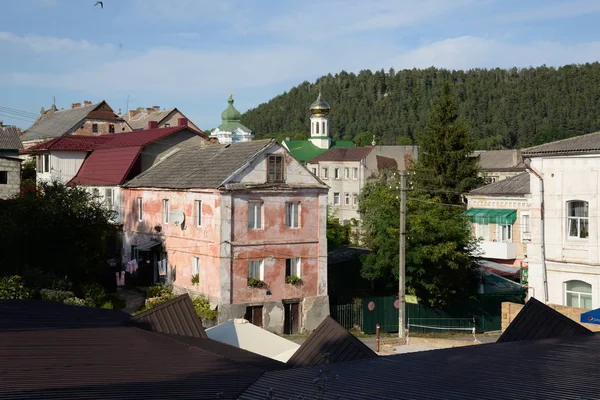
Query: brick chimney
[[182, 122], [156, 108], [75, 105], [87, 103], [133, 113], [152, 124], [149, 110]]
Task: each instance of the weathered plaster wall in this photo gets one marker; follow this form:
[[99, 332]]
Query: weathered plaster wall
[[13, 169]]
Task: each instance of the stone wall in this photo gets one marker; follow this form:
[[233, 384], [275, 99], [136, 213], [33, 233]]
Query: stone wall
[[12, 168], [510, 311]]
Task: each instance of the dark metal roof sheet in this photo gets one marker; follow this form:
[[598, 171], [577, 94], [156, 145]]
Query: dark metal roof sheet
[[330, 337], [551, 369], [386, 163], [175, 317], [584, 144], [538, 321], [9, 138], [515, 185], [343, 154], [107, 166], [200, 167]]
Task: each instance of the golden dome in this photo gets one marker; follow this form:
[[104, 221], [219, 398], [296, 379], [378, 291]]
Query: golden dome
[[320, 107]]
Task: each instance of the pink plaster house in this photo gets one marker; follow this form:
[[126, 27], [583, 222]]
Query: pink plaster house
[[239, 224]]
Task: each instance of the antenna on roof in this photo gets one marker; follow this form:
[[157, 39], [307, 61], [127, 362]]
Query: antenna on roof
[[127, 108], [54, 101]]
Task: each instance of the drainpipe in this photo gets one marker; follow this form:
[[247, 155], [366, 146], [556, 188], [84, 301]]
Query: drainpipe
[[542, 227]]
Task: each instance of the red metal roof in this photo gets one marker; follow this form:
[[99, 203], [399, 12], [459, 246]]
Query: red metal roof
[[89, 143], [107, 166], [343, 154]]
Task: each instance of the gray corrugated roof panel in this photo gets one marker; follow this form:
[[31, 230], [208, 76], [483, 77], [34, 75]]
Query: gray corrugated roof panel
[[9, 138], [332, 339], [175, 317], [515, 185], [585, 144], [553, 369], [538, 321], [200, 167], [57, 123]]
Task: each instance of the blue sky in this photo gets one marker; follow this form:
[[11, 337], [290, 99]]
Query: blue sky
[[191, 54]]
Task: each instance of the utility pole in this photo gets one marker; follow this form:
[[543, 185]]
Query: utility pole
[[402, 257]]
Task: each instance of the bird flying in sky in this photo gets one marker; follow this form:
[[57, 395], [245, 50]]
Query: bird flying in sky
[[101, 4]]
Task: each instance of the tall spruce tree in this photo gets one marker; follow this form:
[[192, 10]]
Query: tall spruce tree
[[446, 165]]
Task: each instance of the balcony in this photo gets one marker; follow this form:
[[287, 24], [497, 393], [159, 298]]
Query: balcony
[[498, 250]]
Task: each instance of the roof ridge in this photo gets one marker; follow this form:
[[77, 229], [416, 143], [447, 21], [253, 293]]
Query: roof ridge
[[529, 149]]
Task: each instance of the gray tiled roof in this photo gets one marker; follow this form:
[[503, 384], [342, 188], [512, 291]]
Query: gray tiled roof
[[140, 121], [9, 138], [515, 185], [589, 143], [498, 160], [57, 123], [200, 167]]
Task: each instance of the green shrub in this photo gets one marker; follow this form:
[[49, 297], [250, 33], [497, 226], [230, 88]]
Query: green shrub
[[75, 301], [94, 294], [293, 280], [202, 306], [12, 287], [255, 283], [195, 279], [56, 295], [158, 290], [156, 301]]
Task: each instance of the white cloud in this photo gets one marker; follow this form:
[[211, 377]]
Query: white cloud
[[48, 44], [474, 52]]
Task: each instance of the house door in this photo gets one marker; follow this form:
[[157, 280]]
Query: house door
[[254, 314], [291, 323]]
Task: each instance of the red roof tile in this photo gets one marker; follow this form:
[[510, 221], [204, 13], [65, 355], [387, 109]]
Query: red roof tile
[[71, 143], [386, 162], [107, 166], [343, 154]]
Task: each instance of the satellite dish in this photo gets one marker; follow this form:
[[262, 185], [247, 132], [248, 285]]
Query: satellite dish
[[177, 217]]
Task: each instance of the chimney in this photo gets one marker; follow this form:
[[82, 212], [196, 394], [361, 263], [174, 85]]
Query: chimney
[[182, 122], [133, 113], [149, 110], [156, 108], [75, 105], [87, 103], [152, 124]]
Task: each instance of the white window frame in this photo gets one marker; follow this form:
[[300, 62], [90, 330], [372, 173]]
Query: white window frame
[[314, 171], [578, 220], [579, 294], [109, 199], [46, 157], [292, 215], [355, 199], [525, 224], [347, 199], [140, 209], [198, 206], [325, 173], [482, 231], [195, 266], [336, 195], [504, 233], [346, 173], [295, 265], [336, 173], [355, 173], [255, 208], [165, 210], [253, 264]]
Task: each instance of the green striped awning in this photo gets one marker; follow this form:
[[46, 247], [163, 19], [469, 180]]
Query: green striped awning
[[491, 216]]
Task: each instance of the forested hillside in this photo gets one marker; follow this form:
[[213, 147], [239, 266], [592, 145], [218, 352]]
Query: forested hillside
[[504, 108]]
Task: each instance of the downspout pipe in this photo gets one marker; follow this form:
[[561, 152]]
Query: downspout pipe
[[542, 227]]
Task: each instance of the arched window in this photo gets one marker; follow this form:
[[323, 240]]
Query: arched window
[[317, 123], [578, 294], [578, 225], [324, 127]]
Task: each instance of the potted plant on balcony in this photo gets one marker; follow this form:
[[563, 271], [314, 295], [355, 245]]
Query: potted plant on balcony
[[195, 279], [255, 283], [293, 280]]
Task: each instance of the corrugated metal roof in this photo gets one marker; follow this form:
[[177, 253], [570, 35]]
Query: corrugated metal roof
[[200, 167], [57, 123], [71, 143], [175, 317], [589, 143], [343, 154], [107, 166], [554, 369], [538, 321], [330, 337], [515, 185], [9, 138]]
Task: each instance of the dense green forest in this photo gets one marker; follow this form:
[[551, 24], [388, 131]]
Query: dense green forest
[[504, 108]]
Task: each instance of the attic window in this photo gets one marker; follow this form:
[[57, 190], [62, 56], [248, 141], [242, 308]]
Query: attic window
[[111, 128], [275, 169], [95, 128]]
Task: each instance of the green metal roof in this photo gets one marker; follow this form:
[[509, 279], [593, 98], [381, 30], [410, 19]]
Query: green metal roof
[[304, 150], [230, 126], [495, 284], [230, 113], [491, 216]]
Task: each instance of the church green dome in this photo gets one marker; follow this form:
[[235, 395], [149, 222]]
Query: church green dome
[[230, 113], [320, 107]]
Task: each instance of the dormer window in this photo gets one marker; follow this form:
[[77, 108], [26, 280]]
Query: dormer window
[[275, 169]]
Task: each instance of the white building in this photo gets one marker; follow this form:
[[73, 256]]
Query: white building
[[565, 187], [231, 129], [346, 171]]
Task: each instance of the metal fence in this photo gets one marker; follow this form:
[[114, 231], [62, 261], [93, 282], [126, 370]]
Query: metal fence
[[350, 316]]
